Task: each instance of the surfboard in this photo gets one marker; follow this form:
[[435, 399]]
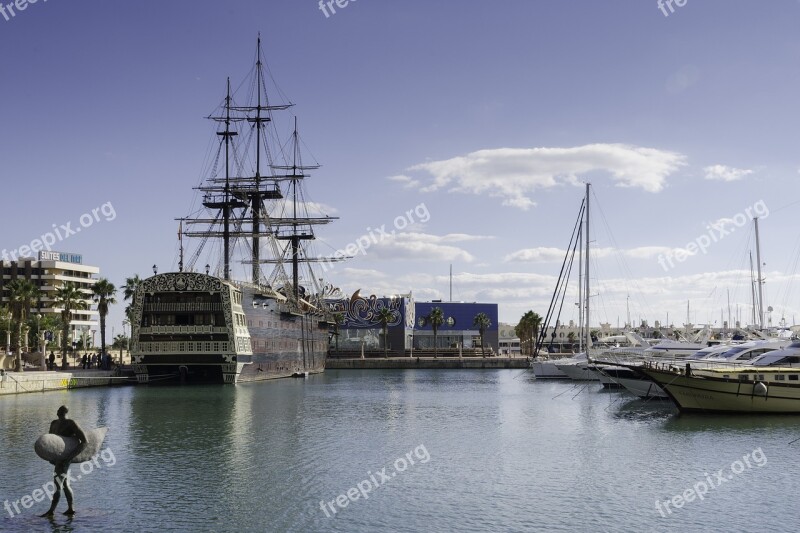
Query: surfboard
[[54, 448]]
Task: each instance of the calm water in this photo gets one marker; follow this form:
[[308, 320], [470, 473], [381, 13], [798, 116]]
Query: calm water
[[491, 451]]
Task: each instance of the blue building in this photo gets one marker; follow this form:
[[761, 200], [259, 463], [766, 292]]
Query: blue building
[[409, 327], [458, 329]]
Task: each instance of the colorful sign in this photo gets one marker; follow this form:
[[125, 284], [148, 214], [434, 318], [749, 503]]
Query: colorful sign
[[64, 257]]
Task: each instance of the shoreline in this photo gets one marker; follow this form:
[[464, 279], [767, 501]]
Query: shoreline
[[445, 363]]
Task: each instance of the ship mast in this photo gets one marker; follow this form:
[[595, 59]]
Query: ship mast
[[255, 198], [227, 199], [296, 173], [226, 209]]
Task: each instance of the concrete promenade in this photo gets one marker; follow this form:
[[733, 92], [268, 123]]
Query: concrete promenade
[[374, 363], [41, 381]]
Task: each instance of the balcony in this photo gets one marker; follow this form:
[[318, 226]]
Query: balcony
[[173, 330], [183, 306]]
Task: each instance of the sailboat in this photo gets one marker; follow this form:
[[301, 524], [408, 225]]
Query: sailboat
[[209, 327], [577, 367]]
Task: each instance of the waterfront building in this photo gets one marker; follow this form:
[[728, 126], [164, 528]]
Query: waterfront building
[[50, 271], [458, 329], [409, 328], [508, 341]]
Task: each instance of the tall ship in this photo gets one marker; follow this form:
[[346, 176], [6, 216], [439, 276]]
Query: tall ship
[[251, 212]]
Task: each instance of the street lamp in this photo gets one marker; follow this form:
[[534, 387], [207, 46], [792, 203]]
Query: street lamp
[[39, 332], [127, 340]]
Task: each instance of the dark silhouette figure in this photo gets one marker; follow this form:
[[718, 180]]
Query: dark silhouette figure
[[64, 427], [52, 360]]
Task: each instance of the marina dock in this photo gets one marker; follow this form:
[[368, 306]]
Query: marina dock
[[376, 363], [42, 381]]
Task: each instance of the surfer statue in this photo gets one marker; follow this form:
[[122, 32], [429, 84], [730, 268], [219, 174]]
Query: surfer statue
[[65, 427]]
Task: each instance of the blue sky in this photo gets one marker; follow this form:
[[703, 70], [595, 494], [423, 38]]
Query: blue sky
[[491, 114]]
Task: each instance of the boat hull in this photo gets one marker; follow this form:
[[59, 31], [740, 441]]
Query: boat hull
[[710, 394], [643, 388], [547, 370], [632, 381], [578, 372], [196, 328]]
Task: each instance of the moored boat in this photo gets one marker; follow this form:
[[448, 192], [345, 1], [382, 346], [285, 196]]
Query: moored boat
[[214, 328]]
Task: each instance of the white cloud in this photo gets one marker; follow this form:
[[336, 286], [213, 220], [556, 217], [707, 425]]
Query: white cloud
[[406, 181], [544, 254], [536, 255], [450, 237], [725, 173], [422, 246], [512, 174]]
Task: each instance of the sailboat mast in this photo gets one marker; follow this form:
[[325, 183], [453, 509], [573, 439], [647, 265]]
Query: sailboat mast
[[586, 276], [760, 281], [580, 289], [256, 198], [753, 288]]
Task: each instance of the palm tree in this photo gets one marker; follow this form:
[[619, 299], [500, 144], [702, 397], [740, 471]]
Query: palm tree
[[528, 329], [482, 322], [436, 318], [120, 342], [128, 292], [22, 293], [49, 323], [103, 293], [69, 298], [385, 316]]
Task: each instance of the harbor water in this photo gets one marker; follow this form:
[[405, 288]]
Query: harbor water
[[402, 450]]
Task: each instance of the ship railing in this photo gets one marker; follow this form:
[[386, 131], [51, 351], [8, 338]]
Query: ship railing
[[181, 329], [184, 347], [183, 306]]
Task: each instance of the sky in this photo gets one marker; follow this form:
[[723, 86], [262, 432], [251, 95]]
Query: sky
[[467, 128]]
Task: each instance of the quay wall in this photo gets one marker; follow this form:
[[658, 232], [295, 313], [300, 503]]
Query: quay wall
[[42, 381], [375, 363]]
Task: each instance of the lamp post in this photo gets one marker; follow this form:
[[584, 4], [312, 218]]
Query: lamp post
[[127, 340], [39, 332], [84, 341]]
